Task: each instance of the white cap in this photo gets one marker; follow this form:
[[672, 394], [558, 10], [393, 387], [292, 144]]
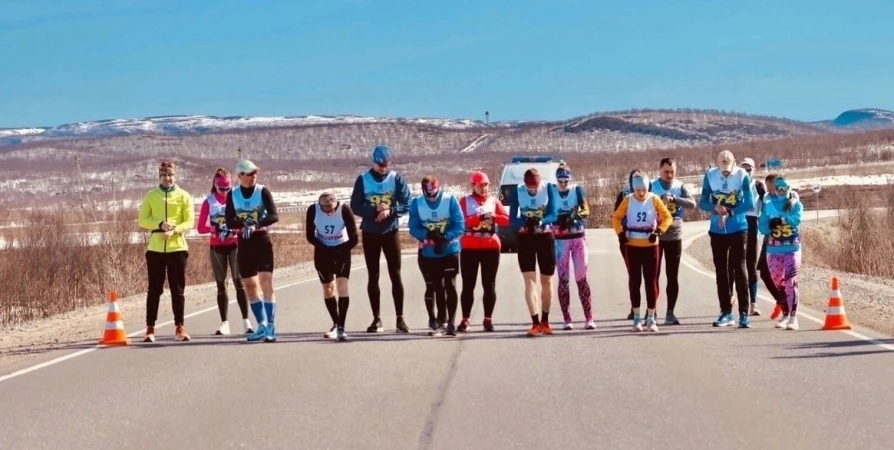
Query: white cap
[[726, 161], [245, 166], [750, 162]]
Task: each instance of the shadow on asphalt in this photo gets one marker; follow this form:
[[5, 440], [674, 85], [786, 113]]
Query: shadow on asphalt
[[851, 345]]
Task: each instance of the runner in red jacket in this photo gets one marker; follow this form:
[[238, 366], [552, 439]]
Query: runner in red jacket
[[480, 246]]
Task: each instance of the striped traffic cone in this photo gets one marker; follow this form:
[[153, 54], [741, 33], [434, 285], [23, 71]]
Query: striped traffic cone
[[114, 333], [836, 318]]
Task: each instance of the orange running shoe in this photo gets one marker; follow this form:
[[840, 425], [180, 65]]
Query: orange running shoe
[[180, 334], [546, 328], [777, 312], [150, 334], [535, 330]]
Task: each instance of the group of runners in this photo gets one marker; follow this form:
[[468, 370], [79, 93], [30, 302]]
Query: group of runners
[[457, 237]]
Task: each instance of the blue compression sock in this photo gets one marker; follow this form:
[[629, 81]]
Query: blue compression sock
[[257, 307], [270, 309]]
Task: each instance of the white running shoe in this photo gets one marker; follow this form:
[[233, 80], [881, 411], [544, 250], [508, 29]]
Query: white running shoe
[[651, 324], [783, 321], [792, 323], [332, 333], [342, 336], [591, 325], [569, 326], [224, 329], [246, 326]]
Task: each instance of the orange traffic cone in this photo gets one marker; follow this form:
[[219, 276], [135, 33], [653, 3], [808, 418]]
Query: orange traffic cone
[[114, 333], [836, 319]]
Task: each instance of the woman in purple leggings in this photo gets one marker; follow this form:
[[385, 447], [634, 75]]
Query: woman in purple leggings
[[571, 245], [783, 247]]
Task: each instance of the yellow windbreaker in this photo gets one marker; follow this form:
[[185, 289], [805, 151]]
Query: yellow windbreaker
[[176, 207], [658, 210]]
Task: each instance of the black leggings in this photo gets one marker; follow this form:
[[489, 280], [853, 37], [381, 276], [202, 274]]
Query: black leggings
[[642, 263], [429, 296], [672, 252], [389, 244], [750, 260], [729, 267], [440, 273], [173, 266], [489, 260], [223, 257]]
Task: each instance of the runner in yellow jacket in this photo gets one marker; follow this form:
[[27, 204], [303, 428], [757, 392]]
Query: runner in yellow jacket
[[168, 212], [647, 218]]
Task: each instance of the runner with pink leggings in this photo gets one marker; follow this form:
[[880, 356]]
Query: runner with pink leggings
[[783, 247], [571, 246]]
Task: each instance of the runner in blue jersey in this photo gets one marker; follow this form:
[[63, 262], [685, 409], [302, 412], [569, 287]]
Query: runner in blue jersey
[[380, 197], [533, 212], [781, 220], [250, 211], [726, 194], [437, 222]]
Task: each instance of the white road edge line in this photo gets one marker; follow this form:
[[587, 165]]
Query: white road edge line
[[860, 336], [163, 324]]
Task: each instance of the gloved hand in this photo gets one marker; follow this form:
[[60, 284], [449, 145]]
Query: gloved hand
[[531, 223], [775, 222], [487, 216], [439, 240], [247, 231], [653, 238], [563, 221]]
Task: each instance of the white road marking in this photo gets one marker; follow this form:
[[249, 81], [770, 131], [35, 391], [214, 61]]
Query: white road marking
[[763, 297], [163, 324]]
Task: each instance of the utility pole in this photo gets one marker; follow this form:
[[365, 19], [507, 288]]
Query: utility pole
[[816, 190], [84, 187]]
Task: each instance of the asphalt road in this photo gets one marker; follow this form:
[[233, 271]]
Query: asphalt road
[[686, 387]]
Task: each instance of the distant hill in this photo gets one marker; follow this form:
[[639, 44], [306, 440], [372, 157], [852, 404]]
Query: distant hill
[[300, 136]]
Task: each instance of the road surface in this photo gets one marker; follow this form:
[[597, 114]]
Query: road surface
[[686, 387]]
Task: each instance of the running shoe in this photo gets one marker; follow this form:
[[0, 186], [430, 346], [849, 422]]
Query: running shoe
[[180, 334], [671, 319], [534, 330], [546, 328], [341, 335], [246, 327], [792, 323], [782, 322], [651, 324], [488, 324], [439, 331], [463, 325], [332, 333], [402, 326], [224, 329], [451, 329], [258, 334], [725, 320], [568, 326], [375, 326], [777, 312], [271, 334], [744, 321], [637, 323], [591, 325], [150, 334]]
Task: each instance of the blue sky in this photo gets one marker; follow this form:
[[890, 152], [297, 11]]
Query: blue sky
[[66, 61]]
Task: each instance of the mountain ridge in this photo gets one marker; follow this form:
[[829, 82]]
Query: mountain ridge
[[647, 122]]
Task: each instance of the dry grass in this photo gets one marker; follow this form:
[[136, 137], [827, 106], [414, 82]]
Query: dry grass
[[860, 241], [55, 268]]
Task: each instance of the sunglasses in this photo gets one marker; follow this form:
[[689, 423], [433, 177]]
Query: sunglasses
[[223, 188]]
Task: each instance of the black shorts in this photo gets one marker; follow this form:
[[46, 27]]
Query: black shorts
[[435, 268], [537, 249], [255, 255], [332, 263]]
